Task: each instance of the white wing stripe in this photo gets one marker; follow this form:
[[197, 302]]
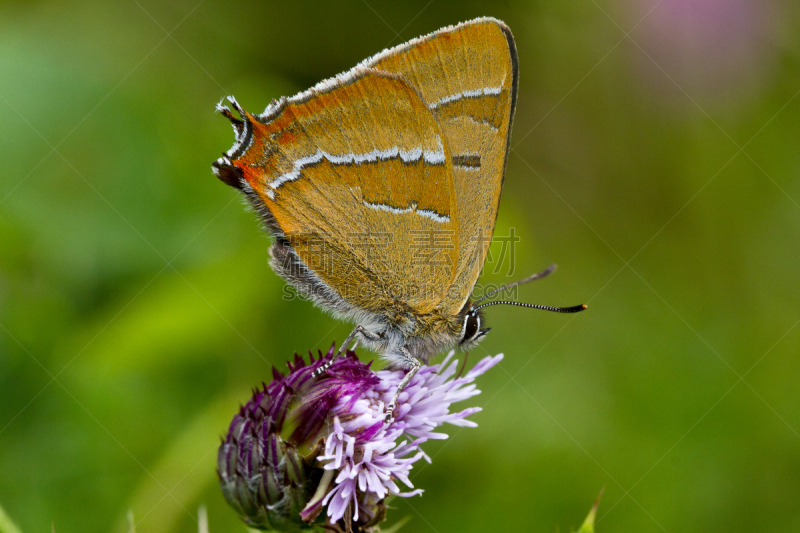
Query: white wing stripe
[[427, 213], [435, 157], [476, 93]]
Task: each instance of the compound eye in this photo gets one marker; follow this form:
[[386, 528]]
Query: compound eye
[[472, 326]]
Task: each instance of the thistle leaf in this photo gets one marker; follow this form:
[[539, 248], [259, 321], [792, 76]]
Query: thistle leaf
[[588, 524]]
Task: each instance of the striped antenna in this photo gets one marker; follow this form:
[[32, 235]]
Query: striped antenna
[[539, 275], [573, 309]]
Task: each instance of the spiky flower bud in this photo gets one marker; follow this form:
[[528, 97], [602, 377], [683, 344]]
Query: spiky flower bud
[[263, 474], [305, 444]]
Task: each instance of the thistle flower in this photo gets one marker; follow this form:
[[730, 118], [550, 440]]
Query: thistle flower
[[303, 445]]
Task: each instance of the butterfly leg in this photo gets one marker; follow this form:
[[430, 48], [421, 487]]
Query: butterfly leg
[[358, 330], [415, 364]]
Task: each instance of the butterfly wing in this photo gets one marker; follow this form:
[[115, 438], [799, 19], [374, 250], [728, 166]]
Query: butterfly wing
[[467, 74], [355, 178]]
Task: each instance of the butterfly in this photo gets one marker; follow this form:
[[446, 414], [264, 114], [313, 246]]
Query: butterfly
[[381, 187]]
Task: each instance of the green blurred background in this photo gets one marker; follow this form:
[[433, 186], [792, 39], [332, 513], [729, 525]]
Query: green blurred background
[[656, 159]]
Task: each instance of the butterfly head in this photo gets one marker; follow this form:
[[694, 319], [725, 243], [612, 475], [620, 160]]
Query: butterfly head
[[471, 332]]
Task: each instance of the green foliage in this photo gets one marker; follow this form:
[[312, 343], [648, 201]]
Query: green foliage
[[6, 525], [659, 170]]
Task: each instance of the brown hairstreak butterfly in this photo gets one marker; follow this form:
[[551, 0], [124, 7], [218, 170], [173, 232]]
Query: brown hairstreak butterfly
[[381, 186]]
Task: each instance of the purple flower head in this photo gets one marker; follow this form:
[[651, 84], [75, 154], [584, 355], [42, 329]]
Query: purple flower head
[[304, 445]]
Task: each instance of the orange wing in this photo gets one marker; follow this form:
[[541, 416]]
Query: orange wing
[[467, 74], [357, 176]]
